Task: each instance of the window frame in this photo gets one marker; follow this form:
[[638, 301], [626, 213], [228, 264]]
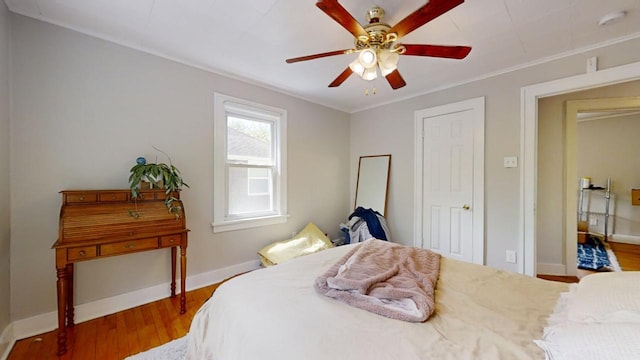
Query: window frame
[[225, 105]]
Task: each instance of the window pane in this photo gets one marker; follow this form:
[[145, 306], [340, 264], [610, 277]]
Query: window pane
[[249, 141], [249, 194], [259, 181]]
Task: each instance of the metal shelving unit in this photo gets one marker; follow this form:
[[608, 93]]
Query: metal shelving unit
[[585, 201]]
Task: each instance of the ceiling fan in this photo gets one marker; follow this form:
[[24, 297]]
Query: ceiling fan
[[377, 44]]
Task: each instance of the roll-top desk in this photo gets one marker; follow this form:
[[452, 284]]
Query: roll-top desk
[[99, 223]]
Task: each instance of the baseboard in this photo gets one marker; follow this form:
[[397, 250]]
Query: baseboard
[[551, 269], [42, 323], [6, 341]]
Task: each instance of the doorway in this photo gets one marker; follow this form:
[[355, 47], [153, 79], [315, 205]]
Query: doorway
[[529, 145], [575, 108]]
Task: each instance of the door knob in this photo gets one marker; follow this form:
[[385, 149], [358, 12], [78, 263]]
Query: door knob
[[466, 207]]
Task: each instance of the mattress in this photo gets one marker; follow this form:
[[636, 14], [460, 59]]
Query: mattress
[[274, 313]]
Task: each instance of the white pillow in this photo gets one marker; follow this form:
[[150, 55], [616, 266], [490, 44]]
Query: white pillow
[[606, 297], [591, 341]]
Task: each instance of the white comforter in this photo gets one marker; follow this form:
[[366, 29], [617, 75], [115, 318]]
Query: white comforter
[[274, 313]]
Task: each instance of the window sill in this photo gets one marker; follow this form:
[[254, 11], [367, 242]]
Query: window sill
[[248, 223]]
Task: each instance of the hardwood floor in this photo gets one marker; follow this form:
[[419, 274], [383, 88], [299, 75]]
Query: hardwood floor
[[628, 255], [566, 279], [119, 335]]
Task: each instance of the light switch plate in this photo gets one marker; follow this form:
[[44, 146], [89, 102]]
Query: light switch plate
[[511, 161]]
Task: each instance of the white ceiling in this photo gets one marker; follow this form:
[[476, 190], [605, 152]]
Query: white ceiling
[[250, 39]]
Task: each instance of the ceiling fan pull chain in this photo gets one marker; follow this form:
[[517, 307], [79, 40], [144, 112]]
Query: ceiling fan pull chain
[[373, 91]]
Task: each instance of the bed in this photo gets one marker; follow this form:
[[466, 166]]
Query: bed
[[275, 313]]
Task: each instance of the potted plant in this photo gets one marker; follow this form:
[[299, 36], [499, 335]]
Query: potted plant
[[158, 175]]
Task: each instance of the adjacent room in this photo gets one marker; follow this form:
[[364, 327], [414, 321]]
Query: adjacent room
[[319, 179]]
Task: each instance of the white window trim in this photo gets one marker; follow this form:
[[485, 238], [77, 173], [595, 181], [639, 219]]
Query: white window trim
[[224, 104]]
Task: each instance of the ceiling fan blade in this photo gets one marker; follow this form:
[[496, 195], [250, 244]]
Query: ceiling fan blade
[[342, 77], [443, 51], [395, 80], [423, 15], [317, 56], [341, 16]]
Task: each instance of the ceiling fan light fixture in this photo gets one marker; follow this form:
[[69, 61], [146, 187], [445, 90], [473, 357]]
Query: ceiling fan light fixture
[[357, 67], [370, 74], [368, 58], [388, 61]]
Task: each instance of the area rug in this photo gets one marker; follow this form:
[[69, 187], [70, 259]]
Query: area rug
[[594, 255], [173, 350]]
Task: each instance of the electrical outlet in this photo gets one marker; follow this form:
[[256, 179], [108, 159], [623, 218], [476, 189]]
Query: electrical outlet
[[511, 256], [593, 221]]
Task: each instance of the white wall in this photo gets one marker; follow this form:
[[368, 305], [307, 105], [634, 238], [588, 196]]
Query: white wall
[[4, 173], [84, 109], [389, 129]]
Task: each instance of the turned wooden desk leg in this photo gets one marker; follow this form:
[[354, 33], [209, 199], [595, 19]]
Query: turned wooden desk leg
[[62, 307], [183, 278], [173, 271], [70, 308]]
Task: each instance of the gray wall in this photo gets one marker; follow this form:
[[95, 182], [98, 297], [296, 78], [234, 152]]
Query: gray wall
[[389, 129], [4, 172], [84, 109]]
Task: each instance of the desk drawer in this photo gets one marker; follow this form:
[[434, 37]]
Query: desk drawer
[[81, 253], [81, 198], [170, 240], [109, 197], [124, 247]]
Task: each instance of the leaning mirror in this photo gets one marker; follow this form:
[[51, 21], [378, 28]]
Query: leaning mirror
[[373, 182]]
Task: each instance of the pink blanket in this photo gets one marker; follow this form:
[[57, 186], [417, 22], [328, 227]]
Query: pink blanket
[[388, 279]]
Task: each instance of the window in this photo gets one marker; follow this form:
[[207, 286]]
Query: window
[[249, 164]]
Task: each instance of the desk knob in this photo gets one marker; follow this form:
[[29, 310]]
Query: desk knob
[[130, 246], [82, 253]]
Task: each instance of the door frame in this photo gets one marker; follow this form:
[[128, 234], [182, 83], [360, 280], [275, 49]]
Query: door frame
[[529, 96], [477, 105]]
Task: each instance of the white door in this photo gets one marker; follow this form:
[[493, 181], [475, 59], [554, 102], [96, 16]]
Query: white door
[[451, 184]]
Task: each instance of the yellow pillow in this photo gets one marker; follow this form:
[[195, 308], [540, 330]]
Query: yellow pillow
[[307, 241]]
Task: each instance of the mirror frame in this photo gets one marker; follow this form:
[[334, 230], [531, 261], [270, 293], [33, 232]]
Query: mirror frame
[[362, 184]]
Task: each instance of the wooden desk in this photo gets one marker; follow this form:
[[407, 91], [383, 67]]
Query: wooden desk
[[99, 223]]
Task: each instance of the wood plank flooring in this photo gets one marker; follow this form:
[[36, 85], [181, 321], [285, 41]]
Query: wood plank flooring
[[118, 335], [565, 279], [628, 255]]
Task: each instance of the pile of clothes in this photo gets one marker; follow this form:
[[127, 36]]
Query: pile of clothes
[[363, 225]]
